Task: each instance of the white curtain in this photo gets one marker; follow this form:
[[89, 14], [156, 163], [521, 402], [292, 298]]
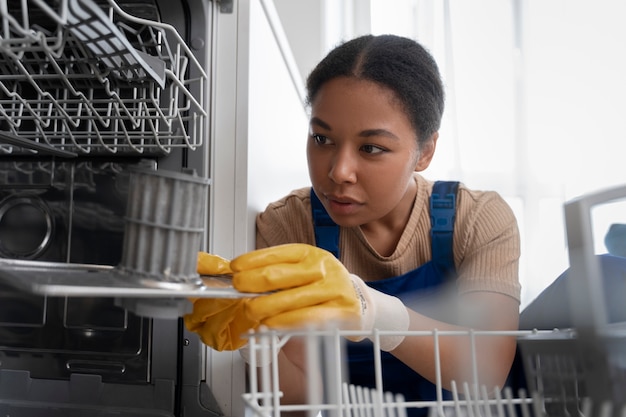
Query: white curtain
[[536, 105]]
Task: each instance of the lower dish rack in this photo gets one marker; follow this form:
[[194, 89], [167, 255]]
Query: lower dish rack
[[556, 384]]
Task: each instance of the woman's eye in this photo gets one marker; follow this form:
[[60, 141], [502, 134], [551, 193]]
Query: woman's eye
[[372, 149], [320, 139]]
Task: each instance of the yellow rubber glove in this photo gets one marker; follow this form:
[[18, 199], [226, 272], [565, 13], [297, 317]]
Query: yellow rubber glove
[[309, 285], [219, 322], [209, 264]]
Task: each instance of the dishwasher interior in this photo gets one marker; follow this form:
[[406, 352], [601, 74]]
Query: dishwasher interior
[[92, 91]]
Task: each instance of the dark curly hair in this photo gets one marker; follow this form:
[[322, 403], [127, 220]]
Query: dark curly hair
[[396, 62]]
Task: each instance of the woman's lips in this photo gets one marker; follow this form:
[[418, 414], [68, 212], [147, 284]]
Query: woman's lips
[[342, 205]]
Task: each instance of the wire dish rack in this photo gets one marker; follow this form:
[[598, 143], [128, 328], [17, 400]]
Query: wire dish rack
[[569, 382], [556, 380], [88, 78]]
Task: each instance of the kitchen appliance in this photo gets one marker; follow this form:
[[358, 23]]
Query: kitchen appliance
[[92, 92]]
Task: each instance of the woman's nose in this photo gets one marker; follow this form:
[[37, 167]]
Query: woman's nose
[[344, 167]]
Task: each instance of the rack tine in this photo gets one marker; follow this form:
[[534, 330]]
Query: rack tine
[[46, 149]]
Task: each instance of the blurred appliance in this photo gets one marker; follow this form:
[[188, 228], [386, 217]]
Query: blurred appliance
[[89, 91]]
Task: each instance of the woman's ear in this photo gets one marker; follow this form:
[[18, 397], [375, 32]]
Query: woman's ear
[[427, 150]]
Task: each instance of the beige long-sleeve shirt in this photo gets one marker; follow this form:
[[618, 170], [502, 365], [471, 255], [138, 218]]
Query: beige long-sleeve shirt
[[486, 239]]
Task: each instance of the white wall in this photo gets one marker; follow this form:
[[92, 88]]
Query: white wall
[[277, 120], [302, 21], [314, 27]]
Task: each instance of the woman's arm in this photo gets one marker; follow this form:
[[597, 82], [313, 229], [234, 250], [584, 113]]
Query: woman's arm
[[293, 373], [494, 354]]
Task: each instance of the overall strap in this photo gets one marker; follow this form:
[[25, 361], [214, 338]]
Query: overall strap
[[326, 230], [442, 215]]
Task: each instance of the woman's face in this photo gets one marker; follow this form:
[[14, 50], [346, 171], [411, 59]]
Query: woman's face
[[362, 151]]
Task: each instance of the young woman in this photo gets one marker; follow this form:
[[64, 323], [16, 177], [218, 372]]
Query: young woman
[[388, 248]]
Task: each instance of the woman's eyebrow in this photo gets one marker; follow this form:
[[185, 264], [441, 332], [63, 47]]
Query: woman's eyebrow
[[319, 122], [378, 132], [316, 121]]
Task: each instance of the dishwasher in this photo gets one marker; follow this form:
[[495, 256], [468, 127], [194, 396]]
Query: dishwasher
[[101, 101]]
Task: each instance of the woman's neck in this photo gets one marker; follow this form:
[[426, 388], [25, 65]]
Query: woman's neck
[[384, 234]]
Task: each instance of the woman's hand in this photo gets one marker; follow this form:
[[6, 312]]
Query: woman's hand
[[310, 286], [219, 322], [307, 285]]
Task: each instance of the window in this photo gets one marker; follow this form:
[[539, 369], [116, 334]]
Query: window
[[536, 106]]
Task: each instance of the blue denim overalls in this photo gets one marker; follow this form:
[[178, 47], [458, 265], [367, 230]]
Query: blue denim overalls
[[409, 287]]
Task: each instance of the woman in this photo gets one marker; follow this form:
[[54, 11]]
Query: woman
[[376, 105]]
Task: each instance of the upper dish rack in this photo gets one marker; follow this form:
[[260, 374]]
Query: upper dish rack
[[88, 78]]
